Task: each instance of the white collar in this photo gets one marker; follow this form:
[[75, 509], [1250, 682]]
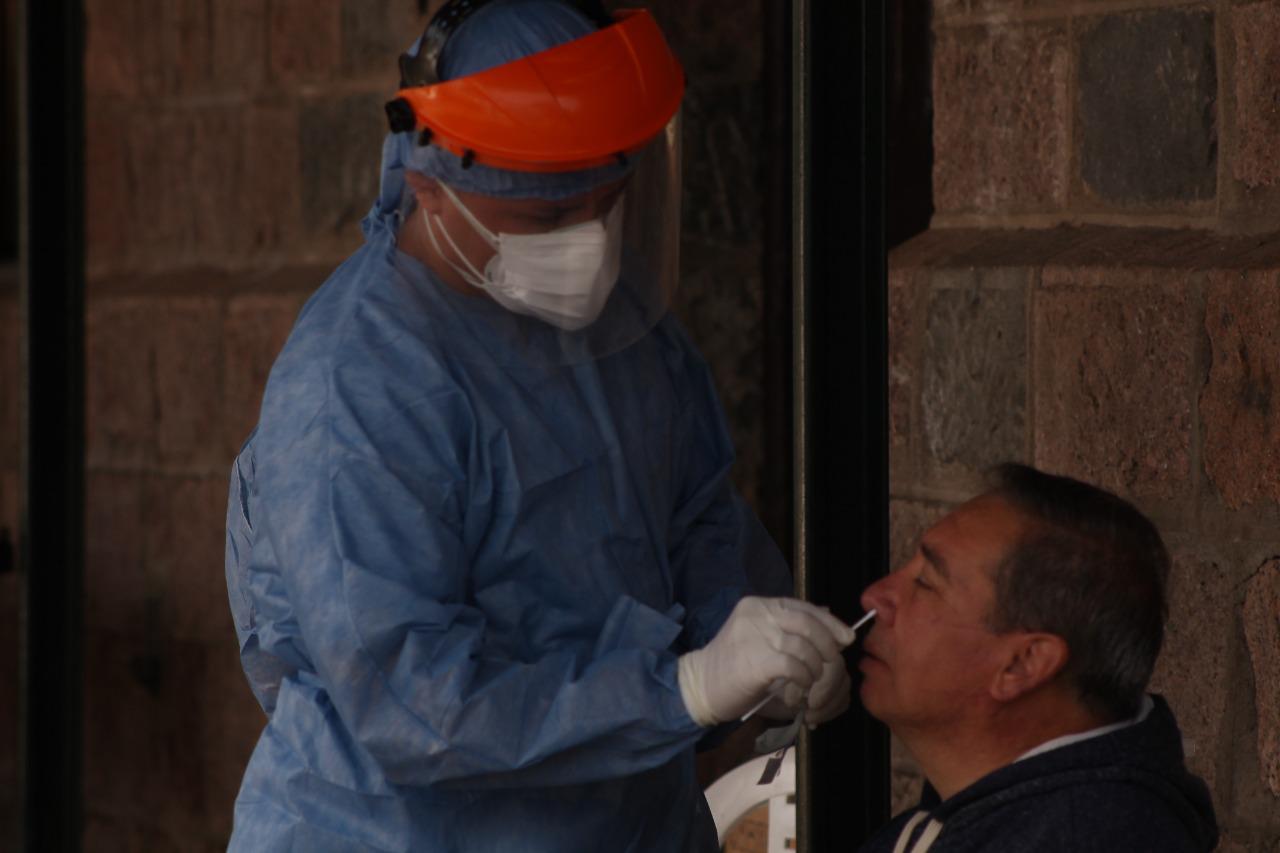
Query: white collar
[[1065, 740]]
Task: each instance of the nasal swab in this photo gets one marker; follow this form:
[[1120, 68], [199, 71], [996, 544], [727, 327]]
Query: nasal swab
[[871, 614], [777, 685]]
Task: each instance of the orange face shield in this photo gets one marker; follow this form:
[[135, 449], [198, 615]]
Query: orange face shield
[[582, 104]]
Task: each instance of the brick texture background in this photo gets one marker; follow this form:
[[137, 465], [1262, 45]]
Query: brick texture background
[[1147, 136], [1114, 112], [233, 149], [1120, 156], [1017, 78], [1092, 329], [1262, 630]]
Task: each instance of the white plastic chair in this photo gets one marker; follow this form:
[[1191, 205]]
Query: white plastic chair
[[737, 792]]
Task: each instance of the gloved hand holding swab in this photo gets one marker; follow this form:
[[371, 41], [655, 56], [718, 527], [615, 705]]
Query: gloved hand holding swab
[[776, 688], [765, 641]]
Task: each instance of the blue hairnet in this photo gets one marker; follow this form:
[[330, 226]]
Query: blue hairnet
[[499, 33], [512, 29]]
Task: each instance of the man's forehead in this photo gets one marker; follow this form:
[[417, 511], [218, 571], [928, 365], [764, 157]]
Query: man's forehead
[[976, 535]]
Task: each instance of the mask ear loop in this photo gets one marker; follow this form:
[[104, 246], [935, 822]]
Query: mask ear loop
[[489, 236], [470, 275]]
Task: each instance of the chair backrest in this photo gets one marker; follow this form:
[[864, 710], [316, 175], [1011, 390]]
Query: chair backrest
[[739, 791]]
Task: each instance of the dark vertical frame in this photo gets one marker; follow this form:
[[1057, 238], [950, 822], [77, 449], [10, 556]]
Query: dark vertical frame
[[51, 250], [775, 502], [9, 134], [909, 120], [842, 484]]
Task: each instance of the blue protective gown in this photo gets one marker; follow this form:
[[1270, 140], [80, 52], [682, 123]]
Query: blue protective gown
[[460, 581]]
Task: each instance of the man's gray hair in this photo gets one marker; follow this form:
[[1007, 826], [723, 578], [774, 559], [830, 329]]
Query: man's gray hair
[[1093, 570]]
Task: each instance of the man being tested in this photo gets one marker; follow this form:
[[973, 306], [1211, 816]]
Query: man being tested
[[489, 576], [1011, 656]]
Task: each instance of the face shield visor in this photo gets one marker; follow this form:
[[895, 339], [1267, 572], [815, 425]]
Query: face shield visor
[[591, 124]]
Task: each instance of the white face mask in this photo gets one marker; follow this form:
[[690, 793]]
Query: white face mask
[[563, 277]]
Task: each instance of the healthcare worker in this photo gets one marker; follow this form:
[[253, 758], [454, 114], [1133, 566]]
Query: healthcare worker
[[490, 579]]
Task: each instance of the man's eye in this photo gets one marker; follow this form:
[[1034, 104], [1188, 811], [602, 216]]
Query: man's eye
[[920, 582]]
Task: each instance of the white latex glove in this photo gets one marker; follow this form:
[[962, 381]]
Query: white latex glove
[[830, 695], [764, 642], [828, 698]]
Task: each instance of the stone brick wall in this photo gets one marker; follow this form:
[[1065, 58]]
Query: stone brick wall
[[232, 149], [1112, 112], [1098, 295]]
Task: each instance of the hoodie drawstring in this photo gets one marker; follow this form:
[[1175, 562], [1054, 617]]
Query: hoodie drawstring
[[926, 839]]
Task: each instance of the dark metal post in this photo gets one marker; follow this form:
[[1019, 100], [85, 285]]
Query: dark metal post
[[777, 477], [51, 247], [9, 135], [841, 396]]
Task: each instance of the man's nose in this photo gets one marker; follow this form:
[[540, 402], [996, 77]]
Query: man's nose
[[880, 595]]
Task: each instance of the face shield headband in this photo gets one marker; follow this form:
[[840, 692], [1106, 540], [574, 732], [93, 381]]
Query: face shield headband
[[583, 104]]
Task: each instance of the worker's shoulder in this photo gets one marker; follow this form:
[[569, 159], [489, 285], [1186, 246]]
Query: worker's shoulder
[[353, 347], [366, 317]]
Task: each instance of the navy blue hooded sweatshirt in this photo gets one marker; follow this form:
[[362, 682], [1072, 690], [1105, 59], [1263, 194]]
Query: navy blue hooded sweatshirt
[[1127, 791]]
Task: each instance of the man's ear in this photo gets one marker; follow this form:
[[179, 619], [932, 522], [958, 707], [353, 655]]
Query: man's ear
[[426, 190], [1033, 660]]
